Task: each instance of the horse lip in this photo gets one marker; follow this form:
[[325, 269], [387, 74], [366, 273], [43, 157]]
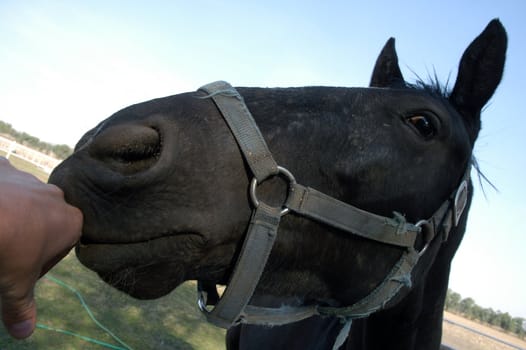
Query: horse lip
[[86, 241], [104, 257], [81, 245]]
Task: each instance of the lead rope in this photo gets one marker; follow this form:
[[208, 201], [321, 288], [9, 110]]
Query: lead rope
[[90, 314]]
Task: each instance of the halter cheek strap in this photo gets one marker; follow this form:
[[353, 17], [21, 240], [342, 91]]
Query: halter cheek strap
[[233, 307]]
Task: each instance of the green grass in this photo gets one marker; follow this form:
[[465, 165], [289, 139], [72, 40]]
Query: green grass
[[171, 322]]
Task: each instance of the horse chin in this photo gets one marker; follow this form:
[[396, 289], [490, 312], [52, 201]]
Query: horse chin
[[144, 270], [144, 282]]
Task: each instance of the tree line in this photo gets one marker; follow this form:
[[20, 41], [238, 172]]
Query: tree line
[[469, 309], [57, 151]]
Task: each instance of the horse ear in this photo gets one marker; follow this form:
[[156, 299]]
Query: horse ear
[[480, 71], [386, 71]]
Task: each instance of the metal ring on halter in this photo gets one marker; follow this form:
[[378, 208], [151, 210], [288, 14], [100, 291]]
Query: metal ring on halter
[[201, 302], [254, 183], [427, 231]]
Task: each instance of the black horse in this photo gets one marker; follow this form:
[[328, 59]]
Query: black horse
[[163, 188]]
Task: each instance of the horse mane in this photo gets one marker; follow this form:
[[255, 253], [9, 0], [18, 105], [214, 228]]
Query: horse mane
[[431, 85]]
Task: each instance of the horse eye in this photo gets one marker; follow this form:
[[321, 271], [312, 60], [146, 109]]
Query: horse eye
[[422, 124]]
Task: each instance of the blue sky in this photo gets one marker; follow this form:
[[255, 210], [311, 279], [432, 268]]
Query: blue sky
[[66, 65]]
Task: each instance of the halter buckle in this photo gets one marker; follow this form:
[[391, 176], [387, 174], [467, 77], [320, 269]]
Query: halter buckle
[[291, 182], [459, 204]]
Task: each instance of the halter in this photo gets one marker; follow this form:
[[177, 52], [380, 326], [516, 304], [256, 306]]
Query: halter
[[233, 307]]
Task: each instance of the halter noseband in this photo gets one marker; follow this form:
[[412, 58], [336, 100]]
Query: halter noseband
[[233, 308]]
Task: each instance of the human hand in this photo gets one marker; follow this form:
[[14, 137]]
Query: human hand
[[37, 229]]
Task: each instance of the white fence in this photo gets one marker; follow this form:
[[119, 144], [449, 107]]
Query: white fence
[[41, 160]]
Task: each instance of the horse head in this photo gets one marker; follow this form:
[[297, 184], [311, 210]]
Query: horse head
[[164, 185]]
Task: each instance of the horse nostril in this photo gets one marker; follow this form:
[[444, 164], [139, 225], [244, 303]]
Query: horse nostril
[[127, 149]]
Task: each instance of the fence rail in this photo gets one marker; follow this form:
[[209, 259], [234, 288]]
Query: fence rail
[[41, 160]]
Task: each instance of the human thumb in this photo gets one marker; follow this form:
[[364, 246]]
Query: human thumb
[[19, 316]]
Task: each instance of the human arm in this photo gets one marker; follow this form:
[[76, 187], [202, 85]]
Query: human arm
[[37, 229]]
